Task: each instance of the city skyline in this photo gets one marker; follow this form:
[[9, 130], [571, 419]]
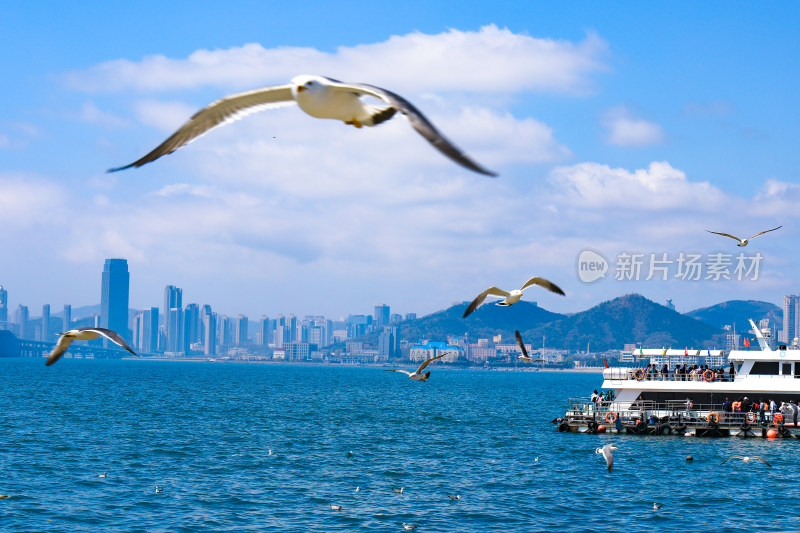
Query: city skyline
[[631, 129]]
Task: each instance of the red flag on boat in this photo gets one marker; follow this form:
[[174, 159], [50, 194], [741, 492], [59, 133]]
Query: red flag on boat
[[604, 363], [746, 342], [686, 352]]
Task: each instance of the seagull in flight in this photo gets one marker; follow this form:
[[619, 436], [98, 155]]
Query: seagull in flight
[[606, 451], [743, 242], [513, 296], [319, 97], [417, 375], [524, 356], [83, 334], [747, 459]]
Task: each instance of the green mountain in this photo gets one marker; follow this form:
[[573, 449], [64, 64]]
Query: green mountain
[[624, 320], [737, 312], [487, 321]]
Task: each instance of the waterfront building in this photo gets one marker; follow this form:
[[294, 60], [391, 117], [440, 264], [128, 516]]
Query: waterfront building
[[421, 352], [791, 318], [210, 327], [262, 338], [358, 325], [296, 351], [191, 327], [225, 327], [21, 319], [148, 331], [387, 341], [3, 308], [411, 316], [44, 329], [205, 311], [66, 320], [241, 330], [173, 319], [114, 298], [381, 316], [396, 318]]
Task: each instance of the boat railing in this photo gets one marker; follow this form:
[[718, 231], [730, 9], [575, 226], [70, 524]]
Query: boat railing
[[674, 413], [641, 374]]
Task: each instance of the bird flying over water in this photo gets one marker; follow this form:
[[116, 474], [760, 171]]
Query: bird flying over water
[[417, 375], [319, 97], [511, 297], [743, 242], [606, 451], [83, 334], [747, 459], [524, 356]]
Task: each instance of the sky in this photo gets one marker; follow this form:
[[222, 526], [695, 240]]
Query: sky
[[625, 129]]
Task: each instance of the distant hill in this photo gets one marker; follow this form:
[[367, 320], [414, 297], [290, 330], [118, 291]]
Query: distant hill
[[487, 321], [737, 312], [627, 319]]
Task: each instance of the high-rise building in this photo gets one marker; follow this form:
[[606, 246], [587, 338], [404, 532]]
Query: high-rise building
[[148, 331], [114, 298], [3, 308], [791, 318], [44, 328], [205, 311], [381, 316], [263, 331], [173, 319], [387, 341], [225, 327], [66, 321], [210, 328], [21, 319], [191, 326], [241, 330]]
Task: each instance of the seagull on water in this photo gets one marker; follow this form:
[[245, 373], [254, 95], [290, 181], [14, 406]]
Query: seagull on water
[[102, 475], [513, 296], [455, 498], [270, 452], [743, 242], [350, 453], [398, 491], [319, 97], [409, 527], [417, 375], [606, 451], [83, 334], [159, 490], [747, 459], [657, 506], [335, 507]]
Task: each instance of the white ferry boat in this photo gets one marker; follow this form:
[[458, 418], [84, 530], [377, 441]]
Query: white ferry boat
[[702, 393]]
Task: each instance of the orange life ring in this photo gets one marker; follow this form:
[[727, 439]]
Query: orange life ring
[[708, 375], [751, 416], [777, 420], [714, 414], [611, 417], [639, 375]]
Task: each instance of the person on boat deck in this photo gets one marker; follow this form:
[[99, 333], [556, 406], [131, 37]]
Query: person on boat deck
[[732, 370], [664, 371], [727, 406], [772, 408], [594, 396], [795, 409], [747, 405], [736, 405], [762, 411], [688, 405]]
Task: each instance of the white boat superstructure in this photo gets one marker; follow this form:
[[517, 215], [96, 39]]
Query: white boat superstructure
[[697, 389]]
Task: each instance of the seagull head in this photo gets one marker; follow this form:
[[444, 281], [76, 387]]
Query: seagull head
[[306, 82]]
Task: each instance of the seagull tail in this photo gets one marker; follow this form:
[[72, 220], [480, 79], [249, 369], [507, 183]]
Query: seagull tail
[[426, 375]]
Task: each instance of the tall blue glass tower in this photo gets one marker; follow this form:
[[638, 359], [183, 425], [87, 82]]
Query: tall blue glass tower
[[114, 297]]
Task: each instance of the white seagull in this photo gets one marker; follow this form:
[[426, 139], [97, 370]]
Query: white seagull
[[102, 475], [409, 527], [319, 97], [524, 356], [335, 507], [743, 242], [513, 296], [417, 375], [657, 506], [83, 334], [455, 498], [159, 490], [747, 459], [398, 491], [606, 451]]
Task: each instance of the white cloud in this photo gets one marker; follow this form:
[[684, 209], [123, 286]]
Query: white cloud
[[491, 60], [94, 115], [623, 129], [28, 201]]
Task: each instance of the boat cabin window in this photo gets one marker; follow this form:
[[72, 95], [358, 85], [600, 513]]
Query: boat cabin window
[[787, 369], [797, 370], [765, 368], [782, 347]]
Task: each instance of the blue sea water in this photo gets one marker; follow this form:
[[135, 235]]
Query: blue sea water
[[203, 432]]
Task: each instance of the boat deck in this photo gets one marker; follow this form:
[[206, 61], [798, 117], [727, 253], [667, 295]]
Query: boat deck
[[673, 418]]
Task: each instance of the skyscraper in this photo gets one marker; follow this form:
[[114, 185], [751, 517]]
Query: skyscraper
[[44, 330], [21, 319], [381, 315], [3, 307], [191, 326], [210, 327], [148, 332], [791, 318], [241, 330], [263, 331], [173, 319], [114, 298], [66, 324]]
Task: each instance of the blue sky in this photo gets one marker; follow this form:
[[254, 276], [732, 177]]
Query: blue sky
[[624, 127]]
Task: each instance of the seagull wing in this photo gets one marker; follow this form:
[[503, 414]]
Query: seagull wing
[[552, 287], [112, 336], [765, 231], [61, 346], [223, 110], [726, 235], [481, 297], [609, 457], [425, 363], [731, 457], [521, 344], [762, 460], [406, 372], [419, 123]]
